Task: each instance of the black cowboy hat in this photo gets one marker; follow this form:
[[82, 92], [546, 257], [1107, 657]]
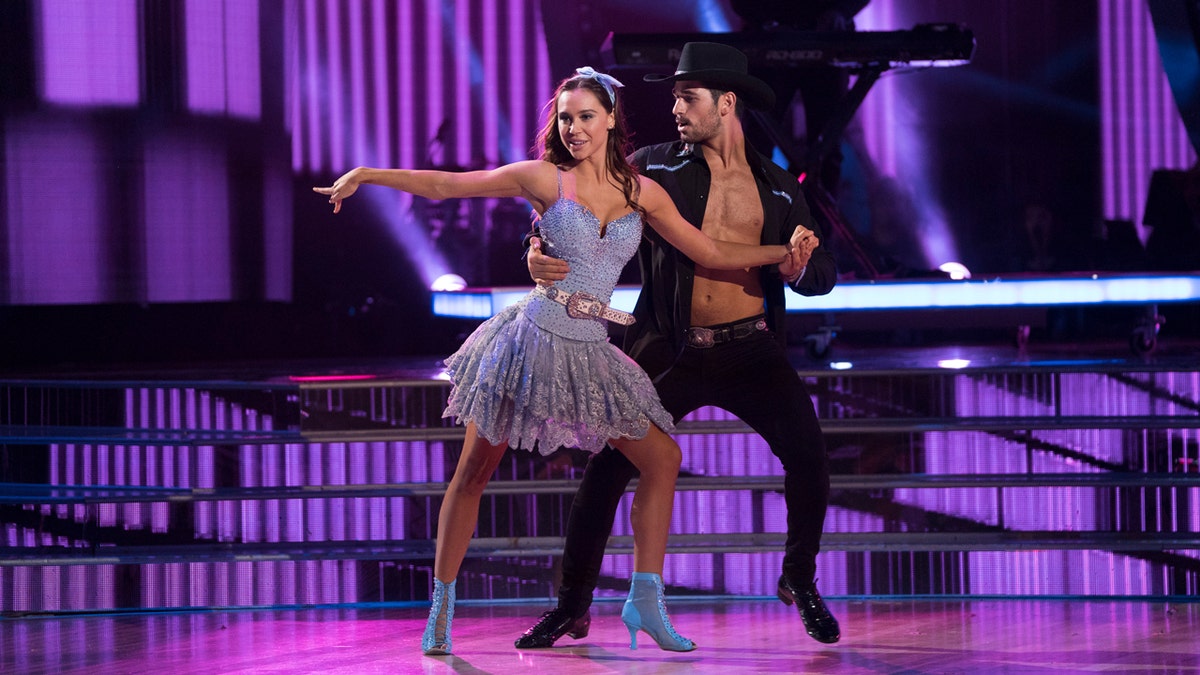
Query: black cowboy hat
[[720, 67]]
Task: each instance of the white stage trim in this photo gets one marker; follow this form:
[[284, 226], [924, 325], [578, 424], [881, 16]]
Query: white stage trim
[[1094, 289]]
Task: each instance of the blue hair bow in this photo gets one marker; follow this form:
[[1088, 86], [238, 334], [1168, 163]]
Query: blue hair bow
[[609, 82]]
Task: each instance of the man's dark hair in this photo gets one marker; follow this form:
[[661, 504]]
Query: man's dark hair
[[739, 108]]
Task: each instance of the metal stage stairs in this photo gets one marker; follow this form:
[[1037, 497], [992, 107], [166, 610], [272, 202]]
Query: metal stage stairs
[[196, 491]]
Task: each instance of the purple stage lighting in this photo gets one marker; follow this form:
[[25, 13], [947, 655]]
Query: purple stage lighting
[[418, 85], [893, 134], [88, 52], [222, 58], [1141, 129]]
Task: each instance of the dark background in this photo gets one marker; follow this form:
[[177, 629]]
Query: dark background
[[1017, 127]]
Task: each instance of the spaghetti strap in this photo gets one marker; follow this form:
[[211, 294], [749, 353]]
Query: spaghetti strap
[[558, 173]]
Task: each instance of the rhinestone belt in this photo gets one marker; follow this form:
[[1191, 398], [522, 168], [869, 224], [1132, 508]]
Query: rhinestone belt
[[582, 305]]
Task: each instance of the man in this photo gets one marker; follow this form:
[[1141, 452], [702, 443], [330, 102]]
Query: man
[[709, 337]]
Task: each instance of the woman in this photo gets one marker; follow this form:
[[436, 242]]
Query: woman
[[542, 371]]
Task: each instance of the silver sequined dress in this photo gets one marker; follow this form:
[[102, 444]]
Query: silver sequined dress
[[534, 374]]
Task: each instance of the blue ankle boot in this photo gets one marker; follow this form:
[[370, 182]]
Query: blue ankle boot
[[436, 640], [646, 610]]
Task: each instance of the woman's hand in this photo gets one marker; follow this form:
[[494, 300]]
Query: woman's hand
[[342, 188], [803, 243]]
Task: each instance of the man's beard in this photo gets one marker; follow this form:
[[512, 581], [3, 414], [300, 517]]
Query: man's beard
[[702, 131]]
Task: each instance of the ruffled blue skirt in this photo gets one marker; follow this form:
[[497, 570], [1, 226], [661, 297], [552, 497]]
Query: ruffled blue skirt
[[537, 390]]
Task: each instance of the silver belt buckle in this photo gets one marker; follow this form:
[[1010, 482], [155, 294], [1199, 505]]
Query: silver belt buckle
[[700, 338], [584, 306]]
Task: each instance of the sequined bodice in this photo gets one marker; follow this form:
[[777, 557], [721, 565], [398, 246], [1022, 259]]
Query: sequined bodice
[[571, 232]]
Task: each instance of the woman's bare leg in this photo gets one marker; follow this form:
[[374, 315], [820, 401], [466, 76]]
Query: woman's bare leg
[[657, 457], [460, 506]]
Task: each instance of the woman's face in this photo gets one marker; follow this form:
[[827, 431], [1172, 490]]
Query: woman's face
[[583, 123]]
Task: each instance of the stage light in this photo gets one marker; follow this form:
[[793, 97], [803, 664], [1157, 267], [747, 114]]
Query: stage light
[[957, 271], [876, 294], [894, 135], [448, 282]]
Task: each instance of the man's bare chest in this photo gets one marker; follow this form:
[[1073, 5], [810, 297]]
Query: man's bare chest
[[734, 211]]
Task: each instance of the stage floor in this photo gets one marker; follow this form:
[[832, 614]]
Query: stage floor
[[734, 636]]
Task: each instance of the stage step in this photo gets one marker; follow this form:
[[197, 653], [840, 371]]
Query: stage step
[[38, 435], [333, 486], [26, 493]]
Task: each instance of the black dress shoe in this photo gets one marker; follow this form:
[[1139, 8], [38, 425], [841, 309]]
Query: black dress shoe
[[819, 623], [553, 625]]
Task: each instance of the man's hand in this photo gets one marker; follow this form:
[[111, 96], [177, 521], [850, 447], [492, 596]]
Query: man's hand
[[544, 269], [804, 241]]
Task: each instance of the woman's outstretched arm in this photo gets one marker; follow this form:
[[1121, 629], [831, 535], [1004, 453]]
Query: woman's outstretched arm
[[704, 250], [526, 179]]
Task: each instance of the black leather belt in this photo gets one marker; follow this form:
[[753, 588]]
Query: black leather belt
[[703, 338]]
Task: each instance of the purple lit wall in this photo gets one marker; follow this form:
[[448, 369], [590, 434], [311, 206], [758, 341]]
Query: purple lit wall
[[459, 83], [414, 84], [141, 167], [1141, 127], [188, 227], [222, 47], [88, 52], [54, 259]]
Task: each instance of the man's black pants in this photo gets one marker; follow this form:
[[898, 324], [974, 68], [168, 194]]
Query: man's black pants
[[751, 378]]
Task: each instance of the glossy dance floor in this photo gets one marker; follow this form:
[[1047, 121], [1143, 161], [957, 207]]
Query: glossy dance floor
[[735, 636]]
